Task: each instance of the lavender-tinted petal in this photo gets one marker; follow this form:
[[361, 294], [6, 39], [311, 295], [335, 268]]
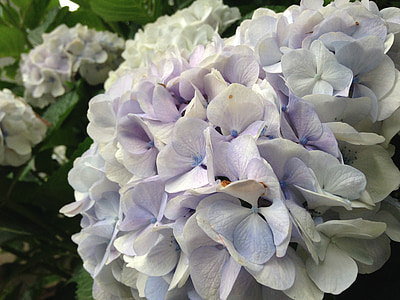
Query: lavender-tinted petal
[[134, 135], [164, 105], [370, 52], [326, 142], [171, 164], [268, 51], [296, 172], [136, 218], [160, 260], [348, 110], [240, 151], [124, 243], [381, 79], [305, 120], [235, 108], [277, 217], [230, 273], [224, 216], [243, 70], [145, 241], [149, 195], [191, 80], [188, 137], [156, 288], [253, 239], [277, 273], [206, 265], [195, 178], [142, 165], [278, 151]]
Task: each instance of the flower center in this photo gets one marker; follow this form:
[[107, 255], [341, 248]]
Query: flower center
[[317, 77], [356, 80], [254, 210], [303, 141], [234, 133], [283, 184], [197, 159]]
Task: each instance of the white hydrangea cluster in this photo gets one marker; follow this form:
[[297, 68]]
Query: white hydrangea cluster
[[20, 130], [185, 29], [64, 52]]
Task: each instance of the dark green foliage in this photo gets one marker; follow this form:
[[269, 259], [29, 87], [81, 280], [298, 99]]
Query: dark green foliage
[[84, 283]]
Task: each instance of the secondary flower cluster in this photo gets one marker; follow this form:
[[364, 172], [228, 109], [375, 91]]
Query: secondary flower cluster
[[20, 130], [256, 167], [185, 29], [48, 67]]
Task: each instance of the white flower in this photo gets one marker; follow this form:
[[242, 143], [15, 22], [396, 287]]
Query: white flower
[[315, 71], [343, 244], [20, 129], [185, 29]]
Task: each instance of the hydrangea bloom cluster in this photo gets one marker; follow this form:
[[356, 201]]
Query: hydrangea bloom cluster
[[185, 29], [256, 167], [20, 130], [64, 52]]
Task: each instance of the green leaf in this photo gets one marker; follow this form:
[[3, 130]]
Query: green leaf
[[59, 19], [59, 110], [12, 292], [8, 234], [53, 4], [69, 111], [82, 3], [84, 17], [277, 8], [22, 4], [54, 17], [10, 15], [138, 11], [6, 85], [34, 13], [35, 36], [21, 218], [84, 284], [12, 70], [12, 42], [184, 3], [62, 136]]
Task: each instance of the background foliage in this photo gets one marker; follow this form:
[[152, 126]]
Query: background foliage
[[38, 260]]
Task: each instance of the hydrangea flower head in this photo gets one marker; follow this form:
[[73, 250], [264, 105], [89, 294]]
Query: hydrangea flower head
[[64, 52], [239, 176], [20, 129]]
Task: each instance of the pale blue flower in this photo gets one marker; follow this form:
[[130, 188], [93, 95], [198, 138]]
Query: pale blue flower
[[315, 71], [183, 162]]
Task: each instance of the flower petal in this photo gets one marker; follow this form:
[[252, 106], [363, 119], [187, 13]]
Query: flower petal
[[253, 239], [277, 273], [335, 273]]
